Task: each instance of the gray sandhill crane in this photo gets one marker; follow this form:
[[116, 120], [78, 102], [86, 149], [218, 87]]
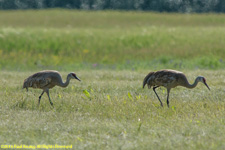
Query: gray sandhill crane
[[170, 79], [46, 80]]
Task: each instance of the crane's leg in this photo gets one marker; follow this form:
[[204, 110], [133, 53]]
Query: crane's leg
[[47, 91], [157, 95], [168, 93], [40, 97]]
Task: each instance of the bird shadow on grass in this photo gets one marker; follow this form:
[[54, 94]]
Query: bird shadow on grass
[[22, 104], [26, 104], [32, 105]]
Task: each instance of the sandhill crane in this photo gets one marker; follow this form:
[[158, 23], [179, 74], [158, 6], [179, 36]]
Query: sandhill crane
[[46, 80], [170, 79]]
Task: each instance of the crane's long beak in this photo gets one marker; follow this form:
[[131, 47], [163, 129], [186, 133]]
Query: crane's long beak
[[206, 85], [77, 78]]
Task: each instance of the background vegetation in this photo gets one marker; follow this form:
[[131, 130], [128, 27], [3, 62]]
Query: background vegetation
[[186, 6], [116, 40]]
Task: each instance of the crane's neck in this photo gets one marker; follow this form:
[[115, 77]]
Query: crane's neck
[[188, 85], [62, 84]]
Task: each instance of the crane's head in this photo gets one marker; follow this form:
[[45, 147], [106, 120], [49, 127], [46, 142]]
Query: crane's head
[[203, 80], [73, 76], [146, 80]]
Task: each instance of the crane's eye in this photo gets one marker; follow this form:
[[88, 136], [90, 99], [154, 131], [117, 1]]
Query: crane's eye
[[74, 75], [204, 80]]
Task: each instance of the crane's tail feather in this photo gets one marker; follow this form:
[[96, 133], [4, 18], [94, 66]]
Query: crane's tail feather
[[146, 78]]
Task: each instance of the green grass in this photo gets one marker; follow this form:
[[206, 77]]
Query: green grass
[[116, 40], [115, 113]]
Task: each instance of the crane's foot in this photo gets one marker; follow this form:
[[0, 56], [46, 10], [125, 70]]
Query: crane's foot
[[168, 104], [52, 104]]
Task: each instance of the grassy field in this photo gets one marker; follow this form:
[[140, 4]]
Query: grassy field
[[111, 52], [114, 113], [63, 39]]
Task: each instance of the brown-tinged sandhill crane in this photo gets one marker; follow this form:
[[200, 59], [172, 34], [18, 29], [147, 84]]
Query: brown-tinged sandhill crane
[[46, 80], [170, 79]]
